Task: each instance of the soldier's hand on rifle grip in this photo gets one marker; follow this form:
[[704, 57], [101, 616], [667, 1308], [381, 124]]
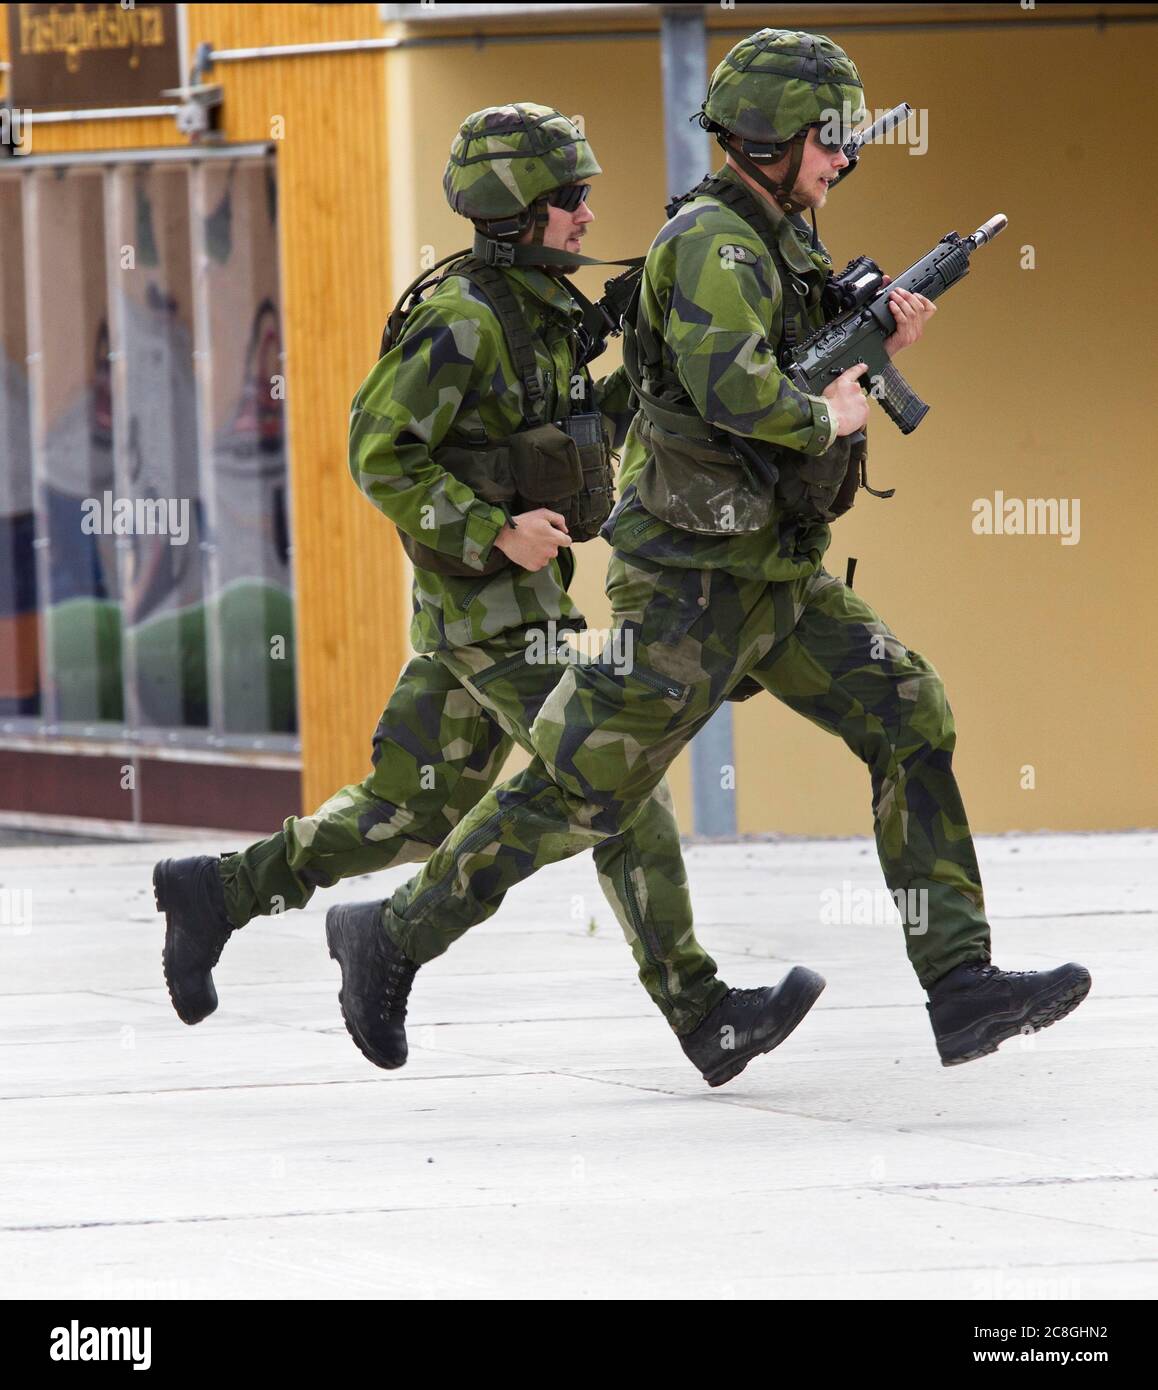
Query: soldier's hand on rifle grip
[[534, 539], [912, 312], [848, 400]]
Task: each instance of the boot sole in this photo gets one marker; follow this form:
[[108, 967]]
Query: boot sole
[[1034, 1017], [801, 989], [336, 941], [183, 1011]]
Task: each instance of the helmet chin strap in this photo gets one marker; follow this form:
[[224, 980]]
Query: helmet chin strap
[[506, 230], [782, 191], [541, 218]]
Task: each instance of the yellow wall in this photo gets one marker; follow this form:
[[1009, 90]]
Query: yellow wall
[[1041, 384]]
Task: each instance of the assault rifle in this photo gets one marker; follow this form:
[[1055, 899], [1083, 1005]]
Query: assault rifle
[[864, 320]]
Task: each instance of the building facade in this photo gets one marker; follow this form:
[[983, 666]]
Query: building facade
[[201, 618]]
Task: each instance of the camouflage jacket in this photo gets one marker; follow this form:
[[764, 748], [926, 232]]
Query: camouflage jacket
[[450, 377], [720, 314]]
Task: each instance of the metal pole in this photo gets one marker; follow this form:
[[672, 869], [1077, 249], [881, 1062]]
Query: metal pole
[[684, 57], [37, 418], [683, 48], [115, 222], [211, 585]]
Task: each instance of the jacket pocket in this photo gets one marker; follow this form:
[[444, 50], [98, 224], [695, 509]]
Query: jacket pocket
[[699, 487], [545, 466]]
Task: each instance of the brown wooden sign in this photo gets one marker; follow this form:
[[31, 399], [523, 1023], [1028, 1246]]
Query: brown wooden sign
[[75, 56]]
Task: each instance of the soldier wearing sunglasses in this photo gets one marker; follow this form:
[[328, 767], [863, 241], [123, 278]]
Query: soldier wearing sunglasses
[[482, 436], [730, 480]]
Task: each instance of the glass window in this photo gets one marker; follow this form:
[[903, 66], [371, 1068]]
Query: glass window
[[72, 422], [19, 635], [163, 607], [245, 422], [145, 565]]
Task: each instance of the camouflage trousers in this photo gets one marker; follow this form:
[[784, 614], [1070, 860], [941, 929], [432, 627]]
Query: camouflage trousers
[[606, 734], [439, 746]]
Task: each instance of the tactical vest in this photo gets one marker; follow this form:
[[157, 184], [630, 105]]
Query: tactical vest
[[564, 465], [711, 481]]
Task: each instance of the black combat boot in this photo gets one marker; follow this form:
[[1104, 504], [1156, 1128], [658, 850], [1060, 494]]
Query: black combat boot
[[976, 1007], [189, 893], [747, 1022], [376, 980]]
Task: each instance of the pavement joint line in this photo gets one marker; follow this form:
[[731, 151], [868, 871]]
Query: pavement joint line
[[47, 1227], [1099, 912], [746, 1103], [972, 1183], [50, 1228], [286, 1085], [1052, 1217]]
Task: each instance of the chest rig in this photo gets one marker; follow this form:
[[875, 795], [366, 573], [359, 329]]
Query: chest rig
[[711, 481], [556, 459]]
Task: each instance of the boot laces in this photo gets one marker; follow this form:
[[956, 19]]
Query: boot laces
[[988, 971], [398, 977]]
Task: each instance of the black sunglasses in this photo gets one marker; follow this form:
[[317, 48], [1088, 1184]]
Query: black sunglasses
[[829, 139], [569, 196]]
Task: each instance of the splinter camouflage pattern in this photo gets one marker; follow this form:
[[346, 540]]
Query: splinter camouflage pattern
[[438, 748], [603, 740], [725, 317], [471, 692], [505, 157], [777, 81], [706, 614], [450, 377]]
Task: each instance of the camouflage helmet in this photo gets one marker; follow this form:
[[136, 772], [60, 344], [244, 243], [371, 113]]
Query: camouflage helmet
[[505, 157], [777, 81]]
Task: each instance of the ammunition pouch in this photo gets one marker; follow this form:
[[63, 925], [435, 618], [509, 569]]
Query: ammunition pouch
[[589, 506], [565, 468], [705, 487], [698, 485], [820, 487]]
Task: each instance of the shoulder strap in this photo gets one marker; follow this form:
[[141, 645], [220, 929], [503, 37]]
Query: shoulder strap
[[410, 297], [497, 290]]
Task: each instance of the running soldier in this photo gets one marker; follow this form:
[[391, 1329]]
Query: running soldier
[[731, 477], [482, 436]]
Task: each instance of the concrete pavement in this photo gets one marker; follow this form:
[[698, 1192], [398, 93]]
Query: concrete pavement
[[548, 1138]]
